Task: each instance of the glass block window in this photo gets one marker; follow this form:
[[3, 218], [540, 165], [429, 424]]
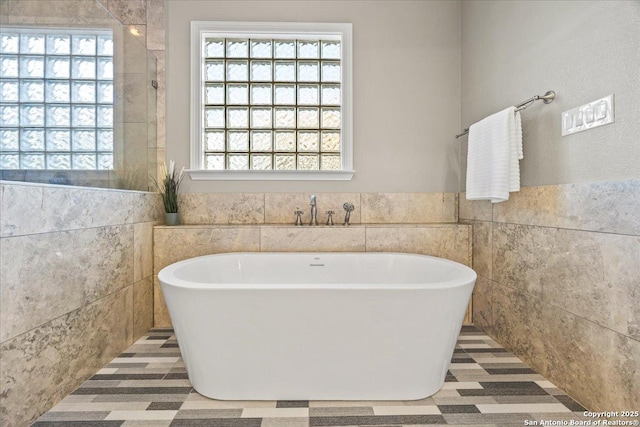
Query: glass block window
[[269, 100], [56, 99]]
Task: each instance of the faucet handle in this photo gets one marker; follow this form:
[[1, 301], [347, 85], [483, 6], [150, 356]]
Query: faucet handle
[[330, 217], [298, 213]]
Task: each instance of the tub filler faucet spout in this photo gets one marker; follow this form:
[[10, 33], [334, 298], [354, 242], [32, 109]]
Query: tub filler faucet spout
[[314, 211]]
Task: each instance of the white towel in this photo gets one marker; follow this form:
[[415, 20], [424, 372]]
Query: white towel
[[493, 158]]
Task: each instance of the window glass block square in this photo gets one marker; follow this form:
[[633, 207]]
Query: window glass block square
[[285, 94], [83, 68], [31, 115], [284, 49], [261, 162], [308, 71], [9, 91], [308, 49], [237, 141], [105, 45], [105, 140], [57, 91], [237, 48], [238, 94], [285, 71], [285, 162], [261, 140], [308, 162], [32, 140], [32, 43], [261, 118], [331, 49], [83, 140], [105, 161], [105, 92], [285, 141], [308, 118], [83, 116], [9, 43], [308, 95], [331, 95], [214, 93], [331, 72], [214, 71], [214, 48], [83, 92], [238, 161], [9, 161], [32, 161], [105, 116], [83, 161], [331, 141], [58, 140], [31, 67], [261, 71], [58, 44], [105, 68], [32, 90], [59, 161], [331, 118], [308, 141], [214, 162], [237, 117], [214, 117], [261, 48], [9, 115], [58, 115], [9, 66], [83, 44], [58, 67], [214, 140], [330, 162], [261, 94], [9, 140], [285, 118], [237, 71]]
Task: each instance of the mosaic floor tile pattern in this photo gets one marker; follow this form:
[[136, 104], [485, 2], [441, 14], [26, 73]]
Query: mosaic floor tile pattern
[[147, 386]]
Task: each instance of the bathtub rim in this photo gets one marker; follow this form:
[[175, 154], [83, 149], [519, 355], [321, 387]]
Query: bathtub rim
[[466, 277]]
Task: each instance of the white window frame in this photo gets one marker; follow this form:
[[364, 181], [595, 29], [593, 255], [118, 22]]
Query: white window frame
[[202, 29]]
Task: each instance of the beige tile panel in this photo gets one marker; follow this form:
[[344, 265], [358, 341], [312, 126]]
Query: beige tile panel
[[173, 244], [451, 242], [482, 246], [314, 239], [31, 208], [43, 365], [222, 208], [483, 304], [610, 207], [280, 207], [161, 317], [142, 307], [593, 275], [67, 270], [379, 208], [155, 25], [142, 250], [478, 210], [128, 11]]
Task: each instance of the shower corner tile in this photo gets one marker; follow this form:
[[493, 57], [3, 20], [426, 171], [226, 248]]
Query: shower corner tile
[[143, 307], [161, 317], [128, 11], [155, 25], [143, 250]]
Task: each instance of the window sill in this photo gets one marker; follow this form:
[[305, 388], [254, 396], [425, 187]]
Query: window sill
[[211, 175]]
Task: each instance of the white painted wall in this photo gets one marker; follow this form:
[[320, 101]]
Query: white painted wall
[[583, 50], [406, 88]]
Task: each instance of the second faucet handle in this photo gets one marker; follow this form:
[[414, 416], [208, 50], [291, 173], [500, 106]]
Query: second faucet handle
[[298, 213], [330, 217]]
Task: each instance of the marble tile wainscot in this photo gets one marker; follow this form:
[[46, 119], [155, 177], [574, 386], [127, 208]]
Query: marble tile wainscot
[[451, 241], [76, 284], [559, 285]]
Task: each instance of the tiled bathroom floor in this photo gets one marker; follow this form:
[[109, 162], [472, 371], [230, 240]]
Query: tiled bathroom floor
[[147, 385]]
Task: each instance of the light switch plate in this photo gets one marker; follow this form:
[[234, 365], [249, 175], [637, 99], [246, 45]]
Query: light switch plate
[[588, 116]]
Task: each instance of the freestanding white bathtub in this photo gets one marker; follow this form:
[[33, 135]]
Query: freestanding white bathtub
[[317, 326]]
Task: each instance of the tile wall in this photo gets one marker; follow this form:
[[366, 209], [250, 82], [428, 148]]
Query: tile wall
[[423, 223], [559, 285], [75, 288]]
